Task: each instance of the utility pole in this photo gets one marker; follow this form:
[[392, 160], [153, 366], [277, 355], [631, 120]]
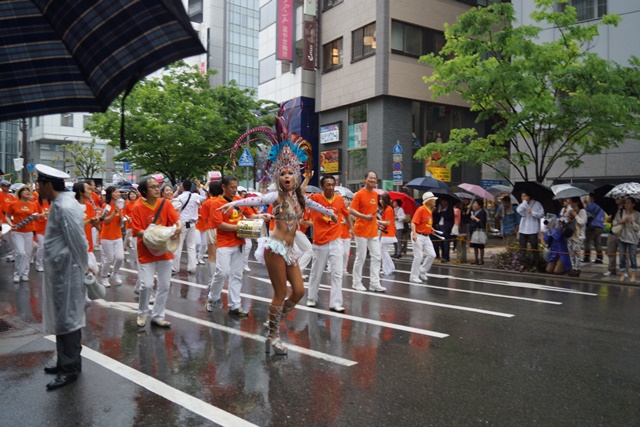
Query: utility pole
[[23, 128]]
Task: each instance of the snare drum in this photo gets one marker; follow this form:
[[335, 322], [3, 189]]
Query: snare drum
[[251, 229]]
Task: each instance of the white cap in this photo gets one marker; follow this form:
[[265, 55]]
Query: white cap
[[241, 189], [428, 196], [47, 173]]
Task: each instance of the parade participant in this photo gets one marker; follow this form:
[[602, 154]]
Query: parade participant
[[96, 200], [421, 229], [111, 238], [6, 199], [21, 215], [347, 234], [249, 212], [365, 229], [82, 192], [327, 244], [387, 234], [302, 243], [215, 193], [190, 200], [167, 191], [40, 227], [153, 209], [132, 197], [287, 153], [229, 260], [66, 262], [398, 217], [201, 234]]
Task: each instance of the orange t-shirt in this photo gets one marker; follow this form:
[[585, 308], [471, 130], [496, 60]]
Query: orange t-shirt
[[306, 216], [89, 213], [226, 239], [205, 211], [325, 230], [365, 202], [112, 230], [346, 233], [247, 211], [96, 198], [142, 215], [5, 201], [128, 208], [19, 211], [390, 230], [41, 223], [423, 219], [272, 223]]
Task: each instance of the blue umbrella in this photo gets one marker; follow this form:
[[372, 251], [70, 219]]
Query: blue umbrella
[[426, 183]]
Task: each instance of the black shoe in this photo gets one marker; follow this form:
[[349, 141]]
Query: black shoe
[[238, 313], [62, 380], [597, 261], [52, 370], [586, 259]]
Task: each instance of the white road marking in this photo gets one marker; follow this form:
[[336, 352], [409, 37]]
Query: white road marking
[[193, 404], [316, 310], [132, 308]]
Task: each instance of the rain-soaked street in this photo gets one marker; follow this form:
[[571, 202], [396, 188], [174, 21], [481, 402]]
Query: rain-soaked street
[[471, 347]]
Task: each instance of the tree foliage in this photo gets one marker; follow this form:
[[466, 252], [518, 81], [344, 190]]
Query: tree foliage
[[550, 102], [87, 161], [178, 125]]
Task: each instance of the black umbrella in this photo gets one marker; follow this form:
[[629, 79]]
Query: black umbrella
[[586, 186], [79, 55], [538, 192], [427, 183], [443, 193], [608, 204]]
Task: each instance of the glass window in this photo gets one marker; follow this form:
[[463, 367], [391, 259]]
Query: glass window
[[589, 9], [66, 120], [358, 129], [364, 42], [268, 14], [332, 55], [328, 4], [268, 69], [414, 40], [357, 164]]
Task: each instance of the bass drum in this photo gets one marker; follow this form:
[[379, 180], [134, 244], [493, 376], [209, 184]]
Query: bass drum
[[251, 229]]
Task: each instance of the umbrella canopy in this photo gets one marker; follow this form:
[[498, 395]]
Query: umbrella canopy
[[462, 195], [79, 55], [500, 189], [538, 192], [477, 190], [628, 189], [380, 191], [313, 189], [568, 193], [586, 186], [426, 183], [409, 204], [443, 193], [344, 192], [560, 187], [608, 204]]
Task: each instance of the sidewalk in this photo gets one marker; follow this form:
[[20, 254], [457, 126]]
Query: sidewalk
[[590, 273]]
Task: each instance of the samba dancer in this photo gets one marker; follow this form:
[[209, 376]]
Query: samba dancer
[[277, 251]]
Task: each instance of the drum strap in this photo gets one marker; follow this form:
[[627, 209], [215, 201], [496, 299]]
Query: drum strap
[[155, 218], [186, 203]]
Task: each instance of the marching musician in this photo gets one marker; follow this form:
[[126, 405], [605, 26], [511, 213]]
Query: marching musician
[[189, 202], [20, 215]]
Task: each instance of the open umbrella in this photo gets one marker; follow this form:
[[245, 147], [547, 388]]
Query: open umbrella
[[586, 186], [568, 193], [380, 191], [79, 55], [313, 189], [344, 192], [628, 189], [499, 189], [608, 204], [443, 193], [409, 204], [477, 190], [560, 187], [426, 183], [538, 192], [462, 195]]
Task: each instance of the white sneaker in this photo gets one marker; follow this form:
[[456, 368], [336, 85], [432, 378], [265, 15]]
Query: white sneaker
[[338, 309], [246, 268], [40, 269], [305, 276], [424, 277], [106, 283], [607, 273], [359, 287], [311, 302], [25, 278], [141, 321], [126, 252], [377, 288], [16, 279], [626, 275], [117, 279], [152, 299], [415, 280]]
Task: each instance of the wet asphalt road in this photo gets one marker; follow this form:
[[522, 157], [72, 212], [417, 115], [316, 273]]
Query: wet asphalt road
[[470, 347]]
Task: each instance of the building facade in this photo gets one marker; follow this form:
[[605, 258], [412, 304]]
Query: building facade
[[9, 147]]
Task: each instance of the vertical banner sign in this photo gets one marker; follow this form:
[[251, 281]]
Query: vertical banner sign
[[309, 40], [284, 36]]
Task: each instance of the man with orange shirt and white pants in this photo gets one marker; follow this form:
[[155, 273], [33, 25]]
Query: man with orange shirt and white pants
[[5, 200], [142, 215], [365, 229], [421, 228], [327, 244]]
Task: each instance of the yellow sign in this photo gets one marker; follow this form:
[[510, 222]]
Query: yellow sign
[[441, 173]]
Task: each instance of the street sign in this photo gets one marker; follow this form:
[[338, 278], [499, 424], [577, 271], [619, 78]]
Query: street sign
[[486, 183], [397, 166], [397, 178], [397, 157], [397, 149], [126, 167], [31, 167], [245, 159]]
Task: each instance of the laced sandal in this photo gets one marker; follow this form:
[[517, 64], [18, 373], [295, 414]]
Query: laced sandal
[[273, 336]]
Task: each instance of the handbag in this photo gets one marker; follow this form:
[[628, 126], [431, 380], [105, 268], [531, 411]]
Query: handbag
[[616, 229], [479, 237], [568, 229]]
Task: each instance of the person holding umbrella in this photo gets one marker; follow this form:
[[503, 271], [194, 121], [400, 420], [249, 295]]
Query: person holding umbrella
[[628, 232], [575, 242], [530, 211]]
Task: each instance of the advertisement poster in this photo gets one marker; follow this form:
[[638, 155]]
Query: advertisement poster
[[330, 133], [330, 161], [358, 135]]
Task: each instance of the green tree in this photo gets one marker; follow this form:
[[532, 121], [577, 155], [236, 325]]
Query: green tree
[[177, 125], [550, 101], [87, 161]]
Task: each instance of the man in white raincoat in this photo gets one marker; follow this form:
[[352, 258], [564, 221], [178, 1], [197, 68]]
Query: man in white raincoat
[[66, 261]]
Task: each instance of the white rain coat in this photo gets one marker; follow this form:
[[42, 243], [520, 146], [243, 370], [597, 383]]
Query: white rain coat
[[65, 262]]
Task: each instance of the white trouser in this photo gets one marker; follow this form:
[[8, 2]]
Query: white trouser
[[388, 267], [229, 265], [22, 246], [112, 253], [333, 252], [134, 243], [304, 245], [147, 271], [95, 235], [346, 249], [40, 251], [362, 245], [423, 256], [188, 235], [93, 263], [248, 244], [202, 244]]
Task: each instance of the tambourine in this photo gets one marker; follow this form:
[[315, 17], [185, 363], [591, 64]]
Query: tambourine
[[120, 204], [177, 204]]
